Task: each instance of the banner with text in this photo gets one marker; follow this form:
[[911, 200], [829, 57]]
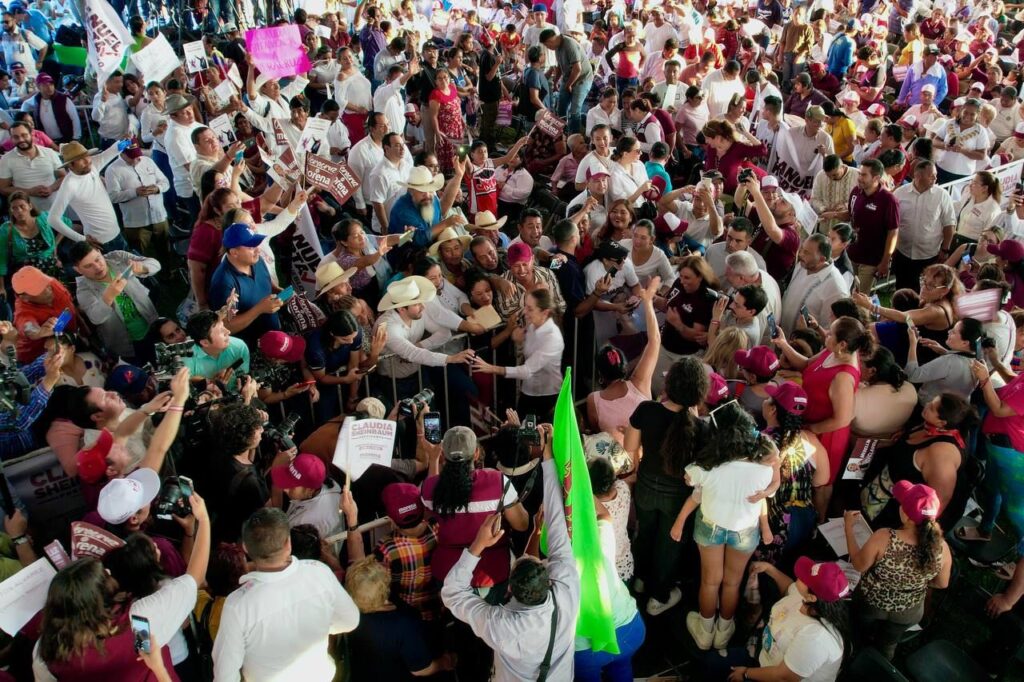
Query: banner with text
[[306, 252], [278, 51], [108, 37]]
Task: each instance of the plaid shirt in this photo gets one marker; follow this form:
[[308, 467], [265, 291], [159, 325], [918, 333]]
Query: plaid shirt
[[408, 559], [507, 305]]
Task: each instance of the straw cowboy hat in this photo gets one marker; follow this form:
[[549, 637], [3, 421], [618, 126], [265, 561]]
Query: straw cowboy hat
[[176, 103], [446, 236], [73, 151], [485, 220], [407, 291], [420, 178], [329, 275]]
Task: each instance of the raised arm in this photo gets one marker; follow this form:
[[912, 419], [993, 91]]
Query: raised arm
[[644, 370]]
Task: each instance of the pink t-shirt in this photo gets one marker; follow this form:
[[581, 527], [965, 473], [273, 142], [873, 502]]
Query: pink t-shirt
[[1013, 427], [456, 532]]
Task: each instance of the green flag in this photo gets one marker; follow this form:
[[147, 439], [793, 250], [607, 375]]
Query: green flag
[[595, 618]]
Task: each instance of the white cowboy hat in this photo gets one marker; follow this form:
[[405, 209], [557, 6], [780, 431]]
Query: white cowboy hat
[[485, 220], [329, 275], [407, 291], [446, 236], [420, 178]]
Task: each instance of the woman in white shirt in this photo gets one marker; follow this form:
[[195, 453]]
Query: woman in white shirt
[[515, 185], [648, 260], [963, 143], [542, 345], [979, 208], [600, 159], [606, 111], [629, 178]]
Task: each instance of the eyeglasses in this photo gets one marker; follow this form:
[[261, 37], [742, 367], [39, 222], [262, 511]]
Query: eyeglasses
[[928, 285], [719, 408]]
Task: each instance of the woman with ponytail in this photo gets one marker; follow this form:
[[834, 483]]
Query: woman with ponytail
[[886, 400], [898, 566], [671, 436], [831, 379]]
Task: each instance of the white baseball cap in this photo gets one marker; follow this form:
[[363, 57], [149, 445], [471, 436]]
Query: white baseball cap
[[123, 497]]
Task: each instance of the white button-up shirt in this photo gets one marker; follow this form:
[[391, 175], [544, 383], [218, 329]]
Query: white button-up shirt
[[112, 116], [26, 172], [88, 196], [181, 152], [598, 115], [817, 291], [388, 99], [923, 216], [385, 184], [274, 627], [363, 158], [541, 373], [408, 343], [122, 182]]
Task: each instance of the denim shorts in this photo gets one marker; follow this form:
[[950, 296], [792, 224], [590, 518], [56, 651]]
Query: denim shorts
[[709, 535]]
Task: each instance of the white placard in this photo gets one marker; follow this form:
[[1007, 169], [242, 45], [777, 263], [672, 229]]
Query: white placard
[[314, 131], [222, 126], [295, 88], [195, 57], [834, 531], [362, 443], [323, 31], [234, 76], [157, 60], [225, 91], [23, 595]]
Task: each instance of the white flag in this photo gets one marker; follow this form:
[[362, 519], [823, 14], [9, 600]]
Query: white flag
[[306, 252], [109, 38]]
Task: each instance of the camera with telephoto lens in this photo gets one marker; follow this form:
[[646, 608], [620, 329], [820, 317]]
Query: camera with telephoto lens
[[744, 175], [15, 388], [407, 407], [171, 502], [282, 434], [169, 358], [528, 433]]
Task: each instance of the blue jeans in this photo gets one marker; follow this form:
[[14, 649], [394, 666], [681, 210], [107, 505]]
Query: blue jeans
[[623, 83], [118, 243], [570, 104], [709, 535], [802, 522], [618, 667]]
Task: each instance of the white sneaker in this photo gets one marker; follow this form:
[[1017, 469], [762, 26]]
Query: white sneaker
[[656, 608], [722, 637], [638, 585], [701, 637]]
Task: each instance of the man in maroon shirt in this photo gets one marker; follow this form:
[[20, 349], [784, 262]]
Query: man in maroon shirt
[[875, 217], [778, 240]]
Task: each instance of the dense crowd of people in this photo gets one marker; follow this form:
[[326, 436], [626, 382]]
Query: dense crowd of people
[[776, 252]]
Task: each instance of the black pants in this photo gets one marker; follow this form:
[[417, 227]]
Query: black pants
[[657, 554], [908, 270], [543, 406]]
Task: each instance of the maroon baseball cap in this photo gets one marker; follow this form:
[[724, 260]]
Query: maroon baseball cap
[[1009, 250], [520, 252], [718, 389], [402, 504], [789, 396], [92, 461], [44, 78], [280, 346], [760, 360], [670, 225], [133, 150], [305, 471], [825, 579], [918, 501]]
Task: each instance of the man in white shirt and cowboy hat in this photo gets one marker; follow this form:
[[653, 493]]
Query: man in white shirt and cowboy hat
[[421, 210], [84, 191], [412, 336]]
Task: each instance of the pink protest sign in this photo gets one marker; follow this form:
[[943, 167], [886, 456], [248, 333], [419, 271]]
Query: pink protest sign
[[277, 52]]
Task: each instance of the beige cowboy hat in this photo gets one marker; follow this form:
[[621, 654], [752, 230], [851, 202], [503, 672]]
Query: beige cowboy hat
[[485, 220], [407, 291], [420, 178], [329, 275], [176, 103], [448, 235], [73, 151]]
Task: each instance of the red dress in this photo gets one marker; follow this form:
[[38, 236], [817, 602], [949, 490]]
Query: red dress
[[817, 380], [450, 126]]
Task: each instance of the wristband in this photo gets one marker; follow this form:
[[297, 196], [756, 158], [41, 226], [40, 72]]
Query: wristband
[[20, 540], [175, 408]]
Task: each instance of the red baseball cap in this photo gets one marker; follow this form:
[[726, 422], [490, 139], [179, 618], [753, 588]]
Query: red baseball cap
[[1009, 250], [305, 471], [760, 360], [825, 580], [789, 396], [280, 346], [92, 461], [402, 504], [918, 501], [718, 389]]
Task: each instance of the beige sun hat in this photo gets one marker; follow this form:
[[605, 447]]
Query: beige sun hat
[[485, 220], [329, 275], [175, 103], [407, 291], [420, 178], [448, 235]]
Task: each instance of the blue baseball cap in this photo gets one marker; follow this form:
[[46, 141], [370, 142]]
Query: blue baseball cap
[[240, 234], [127, 380], [540, 7]]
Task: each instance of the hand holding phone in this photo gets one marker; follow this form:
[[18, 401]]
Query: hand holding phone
[[773, 328], [285, 294], [62, 321], [143, 636], [432, 427]]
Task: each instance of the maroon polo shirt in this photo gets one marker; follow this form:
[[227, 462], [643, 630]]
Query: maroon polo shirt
[[778, 258], [872, 217]]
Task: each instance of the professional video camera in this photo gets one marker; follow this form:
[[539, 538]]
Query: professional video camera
[[197, 424], [169, 358], [15, 389], [282, 434], [407, 407]]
